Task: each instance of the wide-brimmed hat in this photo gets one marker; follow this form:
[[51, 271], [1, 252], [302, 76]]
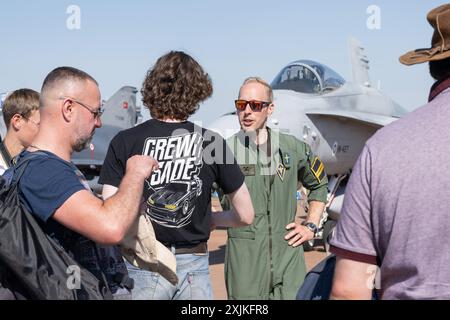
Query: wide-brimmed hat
[[439, 19]]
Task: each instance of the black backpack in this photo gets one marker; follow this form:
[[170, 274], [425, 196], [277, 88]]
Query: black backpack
[[318, 281], [32, 264]]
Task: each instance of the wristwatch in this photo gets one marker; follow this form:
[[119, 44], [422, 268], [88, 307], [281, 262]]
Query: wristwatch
[[311, 226]]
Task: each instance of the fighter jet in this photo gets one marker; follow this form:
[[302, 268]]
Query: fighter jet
[[120, 113], [335, 117]]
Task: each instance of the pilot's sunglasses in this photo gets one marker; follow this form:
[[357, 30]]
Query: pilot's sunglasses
[[254, 105]]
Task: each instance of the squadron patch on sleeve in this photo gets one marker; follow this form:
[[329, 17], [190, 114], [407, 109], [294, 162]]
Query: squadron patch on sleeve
[[317, 168]]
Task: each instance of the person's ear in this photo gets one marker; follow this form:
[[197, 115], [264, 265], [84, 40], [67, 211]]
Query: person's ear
[[17, 122], [270, 109], [67, 109]]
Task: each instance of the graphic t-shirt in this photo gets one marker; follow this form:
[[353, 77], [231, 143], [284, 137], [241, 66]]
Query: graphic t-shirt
[[178, 195]]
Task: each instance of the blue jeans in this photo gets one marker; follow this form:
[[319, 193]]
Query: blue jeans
[[194, 282]]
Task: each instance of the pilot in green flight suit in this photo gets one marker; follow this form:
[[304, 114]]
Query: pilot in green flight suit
[[265, 260]]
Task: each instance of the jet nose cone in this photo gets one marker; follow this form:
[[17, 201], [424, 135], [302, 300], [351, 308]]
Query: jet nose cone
[[226, 125]]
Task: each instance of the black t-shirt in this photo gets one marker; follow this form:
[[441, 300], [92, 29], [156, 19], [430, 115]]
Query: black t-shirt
[[178, 196]]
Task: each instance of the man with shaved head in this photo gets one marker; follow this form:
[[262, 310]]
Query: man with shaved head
[[57, 193], [59, 88]]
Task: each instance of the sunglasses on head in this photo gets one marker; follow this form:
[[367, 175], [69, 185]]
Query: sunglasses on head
[[254, 105]]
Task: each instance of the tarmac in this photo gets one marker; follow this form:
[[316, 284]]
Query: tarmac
[[216, 246]]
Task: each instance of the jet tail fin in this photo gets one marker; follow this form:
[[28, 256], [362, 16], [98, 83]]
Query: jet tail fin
[[359, 62], [121, 110], [2, 123]]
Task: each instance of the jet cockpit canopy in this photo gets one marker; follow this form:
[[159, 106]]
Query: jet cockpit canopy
[[306, 76]]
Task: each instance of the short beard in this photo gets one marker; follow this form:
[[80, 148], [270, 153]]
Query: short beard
[[82, 143]]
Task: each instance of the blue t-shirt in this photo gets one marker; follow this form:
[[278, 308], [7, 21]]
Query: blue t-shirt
[[48, 181]]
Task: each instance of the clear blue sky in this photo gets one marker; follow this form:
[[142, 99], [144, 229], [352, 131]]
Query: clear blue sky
[[120, 40]]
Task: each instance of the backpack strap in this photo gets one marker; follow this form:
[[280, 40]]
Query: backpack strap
[[21, 165], [5, 153]]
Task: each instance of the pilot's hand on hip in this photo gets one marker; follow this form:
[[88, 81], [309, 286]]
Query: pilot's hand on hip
[[143, 166], [298, 234]]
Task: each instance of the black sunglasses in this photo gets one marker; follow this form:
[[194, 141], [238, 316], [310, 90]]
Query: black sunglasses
[[254, 105]]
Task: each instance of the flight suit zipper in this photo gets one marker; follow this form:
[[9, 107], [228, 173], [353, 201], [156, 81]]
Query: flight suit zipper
[[268, 181]]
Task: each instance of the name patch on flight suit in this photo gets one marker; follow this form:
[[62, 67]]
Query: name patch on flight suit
[[317, 168], [248, 169]]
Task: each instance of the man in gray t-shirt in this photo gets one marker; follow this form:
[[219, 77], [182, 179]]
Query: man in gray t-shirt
[[396, 213]]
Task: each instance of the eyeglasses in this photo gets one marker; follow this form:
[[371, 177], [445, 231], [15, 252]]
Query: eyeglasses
[[254, 105], [96, 113]]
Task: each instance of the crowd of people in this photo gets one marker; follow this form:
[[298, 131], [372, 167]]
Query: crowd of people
[[161, 174]]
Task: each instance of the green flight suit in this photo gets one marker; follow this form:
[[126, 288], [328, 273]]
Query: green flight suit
[[259, 263]]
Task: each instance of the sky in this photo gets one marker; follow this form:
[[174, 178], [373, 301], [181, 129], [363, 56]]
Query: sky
[[118, 41]]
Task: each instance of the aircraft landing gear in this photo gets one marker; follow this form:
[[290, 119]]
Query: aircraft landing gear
[[308, 245], [333, 208], [327, 231]]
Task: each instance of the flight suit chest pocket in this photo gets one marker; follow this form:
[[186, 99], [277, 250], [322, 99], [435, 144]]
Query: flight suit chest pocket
[[241, 233]]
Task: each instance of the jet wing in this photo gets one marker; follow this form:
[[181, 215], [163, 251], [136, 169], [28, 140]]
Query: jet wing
[[374, 119]]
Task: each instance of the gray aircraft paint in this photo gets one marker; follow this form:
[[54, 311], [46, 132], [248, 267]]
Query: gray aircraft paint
[[335, 123], [335, 120], [120, 113]]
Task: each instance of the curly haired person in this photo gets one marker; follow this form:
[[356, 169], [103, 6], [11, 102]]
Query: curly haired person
[[178, 196]]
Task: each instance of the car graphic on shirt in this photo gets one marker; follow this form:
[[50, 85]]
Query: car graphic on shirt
[[172, 205]]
